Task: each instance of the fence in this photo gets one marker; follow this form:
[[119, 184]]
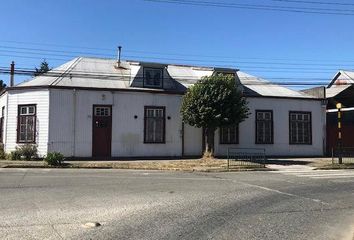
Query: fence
[[245, 157], [347, 154]]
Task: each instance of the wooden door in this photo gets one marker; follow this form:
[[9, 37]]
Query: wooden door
[[101, 131]]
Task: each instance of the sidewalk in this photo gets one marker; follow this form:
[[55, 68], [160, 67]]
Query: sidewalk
[[178, 165], [201, 165]]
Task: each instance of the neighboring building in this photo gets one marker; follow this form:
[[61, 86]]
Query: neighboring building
[[340, 90], [93, 107]]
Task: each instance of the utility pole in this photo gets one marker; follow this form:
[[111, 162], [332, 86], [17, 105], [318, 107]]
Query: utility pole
[[12, 74], [340, 157]]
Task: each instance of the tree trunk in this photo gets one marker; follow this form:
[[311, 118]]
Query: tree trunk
[[209, 142]]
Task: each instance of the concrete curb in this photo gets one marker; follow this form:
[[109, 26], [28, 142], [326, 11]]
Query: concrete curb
[[198, 169]]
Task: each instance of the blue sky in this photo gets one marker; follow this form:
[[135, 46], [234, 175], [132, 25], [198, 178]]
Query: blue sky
[[274, 45]]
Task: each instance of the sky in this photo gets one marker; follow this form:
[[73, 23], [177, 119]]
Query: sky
[[279, 46]]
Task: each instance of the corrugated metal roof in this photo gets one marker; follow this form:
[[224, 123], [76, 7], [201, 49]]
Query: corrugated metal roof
[[342, 77], [104, 73], [341, 81], [266, 88], [334, 90]]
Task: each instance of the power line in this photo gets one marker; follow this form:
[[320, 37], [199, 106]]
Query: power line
[[239, 64], [248, 68], [49, 52], [315, 2], [159, 53], [179, 76], [325, 11], [62, 74]]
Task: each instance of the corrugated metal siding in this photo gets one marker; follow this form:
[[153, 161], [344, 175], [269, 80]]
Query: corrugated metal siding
[[193, 138], [3, 103], [61, 122], [127, 132], [281, 146], [41, 99]]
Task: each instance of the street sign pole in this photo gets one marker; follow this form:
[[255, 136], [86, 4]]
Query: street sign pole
[[340, 147]]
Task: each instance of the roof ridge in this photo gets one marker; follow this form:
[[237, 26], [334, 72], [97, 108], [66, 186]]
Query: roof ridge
[[345, 72], [162, 63]]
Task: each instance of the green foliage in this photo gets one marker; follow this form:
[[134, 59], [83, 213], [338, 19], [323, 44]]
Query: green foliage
[[44, 67], [27, 151], [214, 102], [15, 155], [2, 152], [54, 158], [2, 85]]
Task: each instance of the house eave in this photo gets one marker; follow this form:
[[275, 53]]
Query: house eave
[[153, 91]]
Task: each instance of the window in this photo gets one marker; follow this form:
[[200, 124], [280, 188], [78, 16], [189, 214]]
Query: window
[[153, 77], [2, 124], [300, 131], [154, 130], [229, 135], [102, 111], [264, 127], [26, 127]]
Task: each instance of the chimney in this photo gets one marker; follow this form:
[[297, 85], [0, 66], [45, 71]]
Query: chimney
[[119, 52], [12, 74]]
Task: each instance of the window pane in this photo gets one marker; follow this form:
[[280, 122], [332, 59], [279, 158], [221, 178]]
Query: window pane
[[26, 124], [300, 128], [153, 77], [154, 126], [229, 135], [264, 125], [23, 110], [31, 110]]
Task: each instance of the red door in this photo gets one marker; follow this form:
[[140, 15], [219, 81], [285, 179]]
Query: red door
[[101, 131]]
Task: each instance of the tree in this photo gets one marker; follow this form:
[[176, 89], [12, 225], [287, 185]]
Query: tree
[[2, 85], [211, 103], [44, 67]]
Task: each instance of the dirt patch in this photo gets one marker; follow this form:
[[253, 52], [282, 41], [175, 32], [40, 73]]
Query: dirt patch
[[203, 165]]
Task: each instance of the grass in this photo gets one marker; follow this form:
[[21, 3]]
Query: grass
[[336, 166]]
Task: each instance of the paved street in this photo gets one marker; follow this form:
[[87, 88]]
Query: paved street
[[292, 203]]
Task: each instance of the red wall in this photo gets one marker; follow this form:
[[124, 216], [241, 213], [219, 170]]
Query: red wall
[[332, 136]]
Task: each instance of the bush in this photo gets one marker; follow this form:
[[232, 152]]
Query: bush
[[28, 151], [15, 155], [2, 152], [54, 158]]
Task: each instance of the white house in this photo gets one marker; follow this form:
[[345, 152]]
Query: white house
[[92, 107]]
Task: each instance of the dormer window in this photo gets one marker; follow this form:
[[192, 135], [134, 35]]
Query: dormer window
[[153, 77]]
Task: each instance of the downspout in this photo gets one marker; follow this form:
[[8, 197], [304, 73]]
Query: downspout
[[74, 124], [324, 103]]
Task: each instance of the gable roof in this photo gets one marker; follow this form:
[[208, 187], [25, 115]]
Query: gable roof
[[90, 72], [340, 82], [258, 86]]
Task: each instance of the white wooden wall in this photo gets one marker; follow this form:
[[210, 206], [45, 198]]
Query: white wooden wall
[[3, 103], [75, 139], [281, 146], [70, 124], [41, 99]]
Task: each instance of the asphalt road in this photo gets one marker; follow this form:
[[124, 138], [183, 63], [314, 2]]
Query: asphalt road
[[296, 204]]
